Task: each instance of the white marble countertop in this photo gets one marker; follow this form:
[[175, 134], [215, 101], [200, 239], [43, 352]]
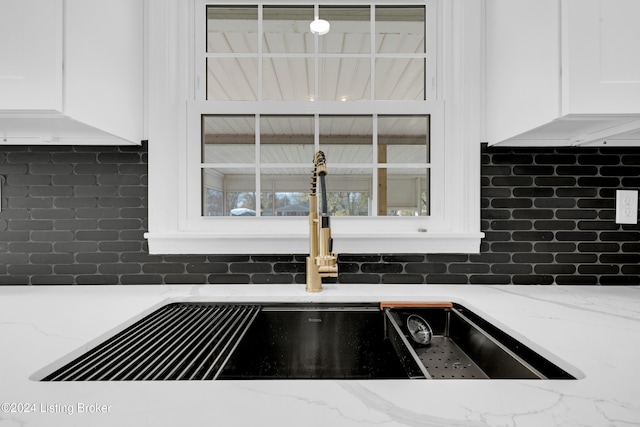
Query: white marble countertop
[[592, 332]]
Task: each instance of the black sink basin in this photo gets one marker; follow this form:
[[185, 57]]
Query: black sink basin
[[464, 346], [313, 343], [210, 341]]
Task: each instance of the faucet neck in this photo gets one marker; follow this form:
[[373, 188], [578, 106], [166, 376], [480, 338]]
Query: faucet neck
[[321, 262]]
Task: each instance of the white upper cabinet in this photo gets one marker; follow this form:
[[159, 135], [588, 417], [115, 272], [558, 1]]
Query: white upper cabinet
[[563, 72], [72, 72], [31, 63]]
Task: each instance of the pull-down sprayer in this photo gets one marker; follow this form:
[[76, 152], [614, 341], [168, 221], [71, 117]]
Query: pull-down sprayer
[[321, 262]]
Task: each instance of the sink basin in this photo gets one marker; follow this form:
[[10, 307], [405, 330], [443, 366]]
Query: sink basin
[[315, 342], [212, 341], [464, 346]]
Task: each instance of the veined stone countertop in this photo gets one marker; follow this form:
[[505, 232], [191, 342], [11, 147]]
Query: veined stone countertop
[[593, 332]]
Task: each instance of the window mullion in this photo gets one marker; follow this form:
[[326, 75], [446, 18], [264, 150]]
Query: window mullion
[[316, 132], [372, 52], [257, 168], [316, 61], [200, 57], [260, 59], [374, 168], [432, 58]]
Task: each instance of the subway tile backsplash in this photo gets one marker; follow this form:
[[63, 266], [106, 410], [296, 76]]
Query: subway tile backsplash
[[77, 215]]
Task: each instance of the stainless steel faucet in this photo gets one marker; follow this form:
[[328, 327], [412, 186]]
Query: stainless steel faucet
[[321, 262]]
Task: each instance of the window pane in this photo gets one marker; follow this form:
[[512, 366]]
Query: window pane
[[349, 203], [288, 79], [344, 79], [232, 29], [285, 191], [350, 30], [347, 139], [286, 139], [400, 29], [286, 29], [349, 191], [228, 192], [228, 139], [232, 79], [403, 139], [403, 192], [400, 79]]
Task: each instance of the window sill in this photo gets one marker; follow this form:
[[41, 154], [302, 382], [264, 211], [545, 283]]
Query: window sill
[[271, 243]]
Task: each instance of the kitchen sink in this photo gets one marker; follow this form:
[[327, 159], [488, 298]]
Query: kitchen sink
[[294, 342], [276, 341]]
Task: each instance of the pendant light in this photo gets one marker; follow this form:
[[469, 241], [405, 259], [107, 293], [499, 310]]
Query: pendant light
[[319, 26]]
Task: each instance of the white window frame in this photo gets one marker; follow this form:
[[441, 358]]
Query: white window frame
[[176, 225]]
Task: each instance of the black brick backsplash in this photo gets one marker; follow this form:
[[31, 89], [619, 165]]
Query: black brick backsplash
[[76, 215]]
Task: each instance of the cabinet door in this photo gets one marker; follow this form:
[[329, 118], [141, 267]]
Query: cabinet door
[[601, 57], [31, 55], [104, 65], [522, 65]]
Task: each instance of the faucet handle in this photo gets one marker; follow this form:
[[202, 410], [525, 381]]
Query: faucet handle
[[327, 265]]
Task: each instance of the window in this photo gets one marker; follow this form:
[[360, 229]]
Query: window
[[267, 54], [264, 94]]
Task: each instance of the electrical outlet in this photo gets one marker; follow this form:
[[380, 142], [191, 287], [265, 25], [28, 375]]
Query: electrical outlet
[[626, 206]]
